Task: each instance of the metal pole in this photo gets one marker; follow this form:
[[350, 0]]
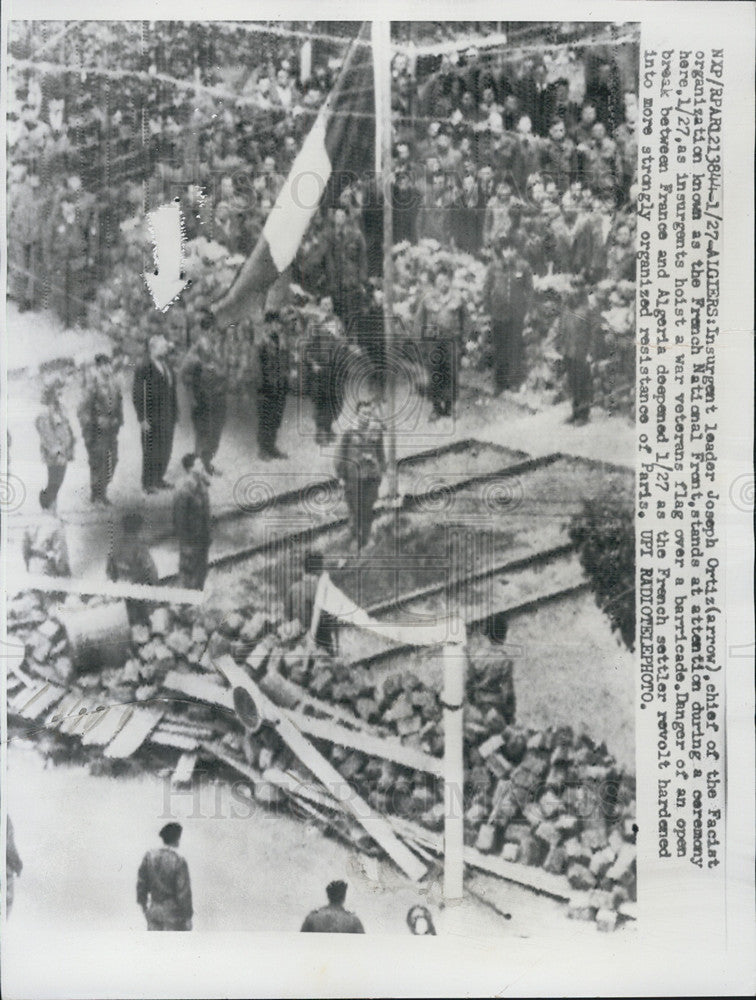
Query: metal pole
[[454, 773], [382, 60]]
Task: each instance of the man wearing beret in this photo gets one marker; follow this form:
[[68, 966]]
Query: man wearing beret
[[164, 890]]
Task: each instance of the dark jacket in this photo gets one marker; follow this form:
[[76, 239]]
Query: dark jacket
[[579, 327], [332, 919], [272, 365], [346, 258], [101, 409], [508, 289], [206, 383], [361, 453], [130, 560], [191, 513], [154, 395], [163, 883]]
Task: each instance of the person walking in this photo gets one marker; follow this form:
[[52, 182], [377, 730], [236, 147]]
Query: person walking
[[507, 294], [191, 523], [155, 402], [56, 441], [207, 384], [360, 465], [333, 918], [101, 416], [164, 890], [272, 385]]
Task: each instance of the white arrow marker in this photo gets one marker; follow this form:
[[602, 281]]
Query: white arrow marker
[[168, 280]]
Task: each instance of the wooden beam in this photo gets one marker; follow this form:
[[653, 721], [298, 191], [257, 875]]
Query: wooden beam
[[374, 825], [106, 588], [133, 734], [199, 688], [374, 746]]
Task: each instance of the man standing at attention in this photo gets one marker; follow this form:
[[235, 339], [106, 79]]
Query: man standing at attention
[[191, 524], [207, 385], [441, 323], [101, 416], [154, 397], [333, 918], [360, 465], [272, 385], [507, 294], [164, 891]]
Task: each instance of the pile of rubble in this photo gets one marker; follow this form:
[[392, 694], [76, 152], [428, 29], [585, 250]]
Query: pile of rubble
[[548, 799]]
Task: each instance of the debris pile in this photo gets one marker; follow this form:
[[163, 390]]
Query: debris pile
[[545, 799]]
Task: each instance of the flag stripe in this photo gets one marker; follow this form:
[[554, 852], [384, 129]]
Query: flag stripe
[[299, 198]]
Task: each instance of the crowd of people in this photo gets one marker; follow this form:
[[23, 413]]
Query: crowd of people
[[497, 156]]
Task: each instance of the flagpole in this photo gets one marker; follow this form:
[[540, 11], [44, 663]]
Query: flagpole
[[382, 64]]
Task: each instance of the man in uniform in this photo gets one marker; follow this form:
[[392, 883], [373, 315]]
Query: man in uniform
[[130, 560], [578, 330], [360, 465], [24, 242], [207, 385], [507, 294], [154, 398], [333, 918], [56, 443], [321, 375], [441, 322], [346, 269], [101, 416], [191, 524], [272, 385], [164, 890]]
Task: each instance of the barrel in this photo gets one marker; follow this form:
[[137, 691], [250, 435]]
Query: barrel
[[98, 637]]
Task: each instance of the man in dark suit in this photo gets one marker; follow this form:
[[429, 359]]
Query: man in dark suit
[[154, 396]]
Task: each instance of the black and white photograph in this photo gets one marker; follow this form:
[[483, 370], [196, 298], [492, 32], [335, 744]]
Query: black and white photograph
[[325, 456]]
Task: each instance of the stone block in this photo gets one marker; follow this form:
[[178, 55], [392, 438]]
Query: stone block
[[550, 804], [579, 876], [606, 920], [160, 621]]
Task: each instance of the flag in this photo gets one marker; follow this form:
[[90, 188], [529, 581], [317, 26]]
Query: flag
[[340, 145], [329, 598]]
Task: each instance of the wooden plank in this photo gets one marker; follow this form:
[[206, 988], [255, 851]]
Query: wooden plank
[[199, 688], [64, 710], [105, 723], [31, 704], [179, 741], [374, 825], [374, 746], [75, 723], [133, 734], [184, 769], [238, 765], [293, 784], [106, 588]]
